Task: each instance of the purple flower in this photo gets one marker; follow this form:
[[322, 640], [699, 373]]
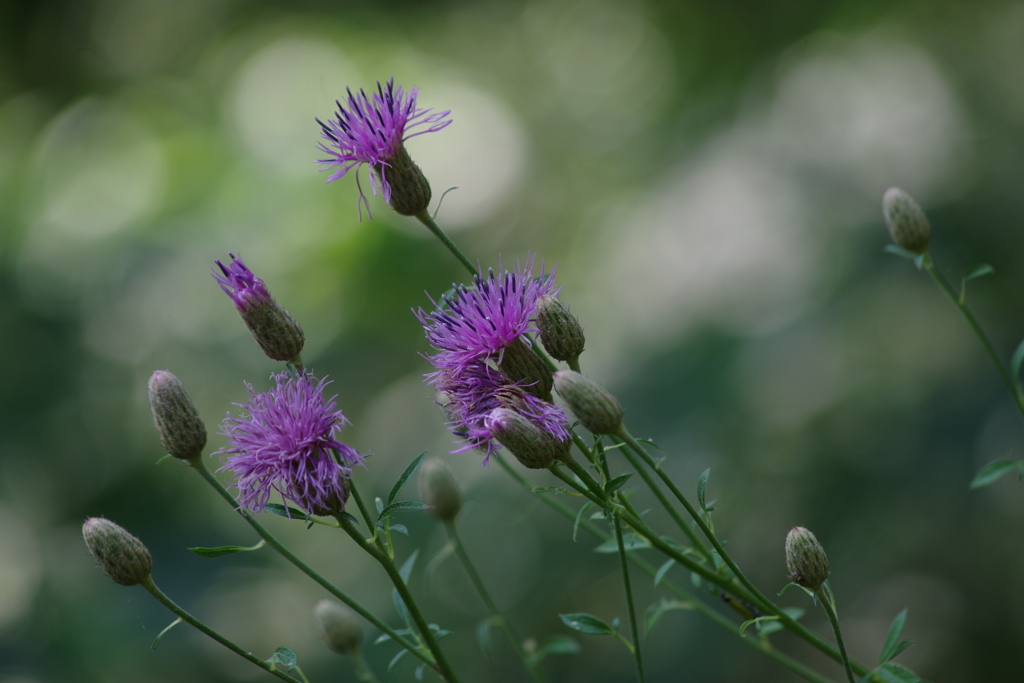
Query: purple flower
[[472, 392], [371, 130], [286, 442], [481, 321], [245, 289]]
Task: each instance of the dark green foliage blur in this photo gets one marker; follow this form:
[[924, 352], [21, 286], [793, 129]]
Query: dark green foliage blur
[[708, 178]]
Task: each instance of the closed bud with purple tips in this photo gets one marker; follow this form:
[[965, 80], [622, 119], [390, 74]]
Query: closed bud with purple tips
[[274, 329], [805, 559], [908, 226], [532, 446], [121, 556], [181, 430], [560, 332], [339, 627], [593, 405]]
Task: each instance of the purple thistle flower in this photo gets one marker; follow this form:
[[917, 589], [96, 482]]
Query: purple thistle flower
[[372, 130], [245, 289], [285, 442], [473, 391], [483, 320]]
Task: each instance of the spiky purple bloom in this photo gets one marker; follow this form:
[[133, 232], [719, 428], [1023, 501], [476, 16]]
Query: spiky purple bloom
[[372, 130], [481, 321], [286, 442], [245, 289]]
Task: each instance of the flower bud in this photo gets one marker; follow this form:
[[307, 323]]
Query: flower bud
[[439, 490], [335, 503], [120, 555], [906, 221], [531, 445], [559, 330], [522, 364], [339, 626], [410, 191], [177, 421], [593, 405], [805, 559], [274, 329]]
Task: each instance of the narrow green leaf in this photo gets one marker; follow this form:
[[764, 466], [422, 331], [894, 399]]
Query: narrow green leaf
[[579, 516], [586, 623], [892, 638], [649, 442], [401, 505], [395, 659], [400, 528], [1017, 361], [285, 511], [165, 456], [630, 541], [979, 271], [769, 627], [894, 673], [701, 485], [350, 518], [656, 611], [900, 251], [616, 483], [402, 480], [483, 636], [225, 550], [695, 579], [285, 656], [561, 645], [419, 672], [379, 504], [161, 634], [991, 472], [406, 569], [662, 570], [548, 489]]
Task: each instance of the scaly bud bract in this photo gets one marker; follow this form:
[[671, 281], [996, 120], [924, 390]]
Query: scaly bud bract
[[181, 430], [531, 445], [523, 366], [593, 405], [805, 559], [339, 626], [120, 555], [908, 226], [560, 332], [439, 490]]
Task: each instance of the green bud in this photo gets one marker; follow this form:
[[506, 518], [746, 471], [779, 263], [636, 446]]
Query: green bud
[[531, 445], [593, 405], [120, 555], [906, 221], [177, 421], [339, 626], [522, 364], [274, 329], [439, 490], [410, 191], [805, 559], [559, 330]]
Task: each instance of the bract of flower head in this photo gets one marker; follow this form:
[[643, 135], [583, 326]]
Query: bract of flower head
[[285, 441], [371, 129], [480, 321], [245, 289], [471, 392]]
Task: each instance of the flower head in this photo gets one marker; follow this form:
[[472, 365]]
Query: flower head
[[245, 289], [285, 442], [372, 129]]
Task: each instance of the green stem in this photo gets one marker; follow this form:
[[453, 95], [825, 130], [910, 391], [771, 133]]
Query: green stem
[[363, 510], [363, 670], [199, 466], [650, 569], [830, 610], [441, 665], [629, 600], [427, 220], [148, 584], [492, 607], [940, 280]]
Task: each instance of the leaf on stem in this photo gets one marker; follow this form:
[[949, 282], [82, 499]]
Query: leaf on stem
[[977, 271], [1017, 361], [993, 471], [226, 550], [419, 672], [662, 570], [658, 609], [396, 659], [406, 476], [285, 511], [630, 541], [165, 456], [549, 489], [769, 627], [586, 623], [161, 634], [579, 516], [401, 505], [895, 673], [616, 483], [483, 636], [900, 251], [893, 645], [285, 656]]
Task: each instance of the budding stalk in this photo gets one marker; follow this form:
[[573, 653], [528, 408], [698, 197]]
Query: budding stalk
[[410, 191], [339, 627], [177, 421], [531, 445], [805, 559], [593, 405], [439, 490], [560, 331], [907, 223], [120, 555]]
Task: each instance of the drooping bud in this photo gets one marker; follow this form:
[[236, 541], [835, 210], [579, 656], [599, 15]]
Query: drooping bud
[[593, 405], [805, 559], [439, 490], [120, 555], [339, 626], [274, 329], [531, 445], [410, 191], [177, 421], [559, 330], [908, 226], [522, 364]]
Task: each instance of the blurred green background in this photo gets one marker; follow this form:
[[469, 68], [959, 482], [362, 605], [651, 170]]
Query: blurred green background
[[708, 177]]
